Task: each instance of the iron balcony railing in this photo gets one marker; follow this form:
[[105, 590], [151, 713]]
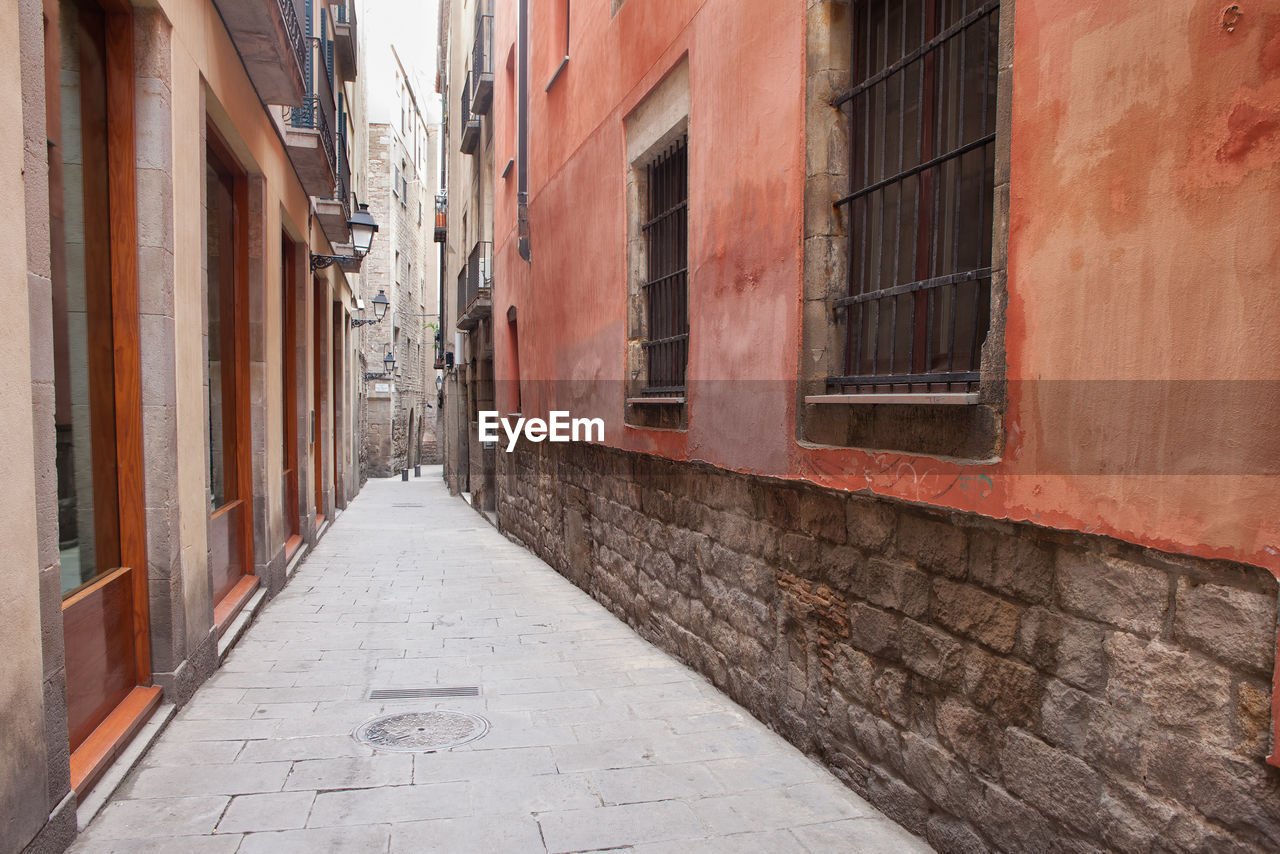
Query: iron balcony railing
[[442, 217], [461, 305], [342, 188], [482, 60], [475, 285], [293, 29], [470, 123], [345, 37], [318, 110]]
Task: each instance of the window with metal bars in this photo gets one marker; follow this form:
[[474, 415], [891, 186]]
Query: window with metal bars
[[666, 286], [922, 118]]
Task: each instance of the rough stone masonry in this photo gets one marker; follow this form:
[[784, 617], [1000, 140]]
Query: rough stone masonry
[[991, 686]]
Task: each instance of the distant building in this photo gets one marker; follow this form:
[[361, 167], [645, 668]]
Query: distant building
[[467, 59], [398, 410]]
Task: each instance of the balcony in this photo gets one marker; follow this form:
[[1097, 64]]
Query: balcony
[[309, 131], [475, 286], [268, 35], [345, 39], [482, 60], [442, 217], [333, 213], [470, 122]]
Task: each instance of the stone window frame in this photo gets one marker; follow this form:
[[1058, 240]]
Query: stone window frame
[[971, 427], [661, 117]]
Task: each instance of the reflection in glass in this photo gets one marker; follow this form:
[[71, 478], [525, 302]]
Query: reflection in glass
[[84, 387], [213, 317]]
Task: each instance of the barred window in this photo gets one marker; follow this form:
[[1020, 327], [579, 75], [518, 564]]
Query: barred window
[[922, 114], [666, 286]]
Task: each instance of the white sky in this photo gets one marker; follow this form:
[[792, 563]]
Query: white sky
[[409, 25]]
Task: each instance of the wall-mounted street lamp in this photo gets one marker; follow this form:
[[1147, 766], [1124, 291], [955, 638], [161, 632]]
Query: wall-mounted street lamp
[[380, 306], [389, 363], [363, 227]]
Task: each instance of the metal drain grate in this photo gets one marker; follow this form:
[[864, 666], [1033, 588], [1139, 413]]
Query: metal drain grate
[[423, 693], [422, 732], [406, 505]]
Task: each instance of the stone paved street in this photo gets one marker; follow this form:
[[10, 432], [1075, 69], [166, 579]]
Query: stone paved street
[[597, 741]]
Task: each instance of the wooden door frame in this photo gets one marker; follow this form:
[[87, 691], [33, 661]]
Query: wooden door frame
[[126, 357], [289, 367], [337, 343], [125, 321], [319, 334], [238, 435], [92, 753]]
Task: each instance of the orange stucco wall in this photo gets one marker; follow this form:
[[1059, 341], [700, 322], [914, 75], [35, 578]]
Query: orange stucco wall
[[1144, 244]]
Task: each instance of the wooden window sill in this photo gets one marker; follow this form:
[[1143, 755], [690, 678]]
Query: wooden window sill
[[104, 744], [666, 401], [935, 399], [226, 610]]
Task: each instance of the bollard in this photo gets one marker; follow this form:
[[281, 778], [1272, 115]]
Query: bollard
[[404, 475], [417, 471]]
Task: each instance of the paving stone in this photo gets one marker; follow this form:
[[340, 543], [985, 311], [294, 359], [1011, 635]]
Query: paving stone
[[491, 835], [537, 794], [456, 765], [192, 753], [614, 826], [655, 783], [126, 819], [862, 835], [274, 811], [390, 804], [180, 781], [91, 843], [765, 772], [330, 840], [351, 772], [296, 749]]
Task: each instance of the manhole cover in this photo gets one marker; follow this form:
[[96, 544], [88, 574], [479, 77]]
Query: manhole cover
[[422, 732]]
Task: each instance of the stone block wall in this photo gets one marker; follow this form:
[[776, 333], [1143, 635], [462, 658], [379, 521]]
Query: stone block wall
[[397, 264], [991, 686]]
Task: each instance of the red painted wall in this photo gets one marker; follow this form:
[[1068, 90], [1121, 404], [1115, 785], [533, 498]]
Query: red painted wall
[[1144, 246]]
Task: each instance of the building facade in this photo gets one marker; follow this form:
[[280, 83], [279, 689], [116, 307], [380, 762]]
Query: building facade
[[926, 438], [399, 409], [181, 178], [467, 58]]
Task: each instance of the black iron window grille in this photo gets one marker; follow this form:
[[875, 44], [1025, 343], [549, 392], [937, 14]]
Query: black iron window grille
[[666, 287], [922, 113]]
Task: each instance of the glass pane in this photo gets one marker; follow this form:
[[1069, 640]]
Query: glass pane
[[219, 330], [84, 387]]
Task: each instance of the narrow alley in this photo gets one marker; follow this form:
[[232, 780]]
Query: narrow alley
[[596, 739]]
